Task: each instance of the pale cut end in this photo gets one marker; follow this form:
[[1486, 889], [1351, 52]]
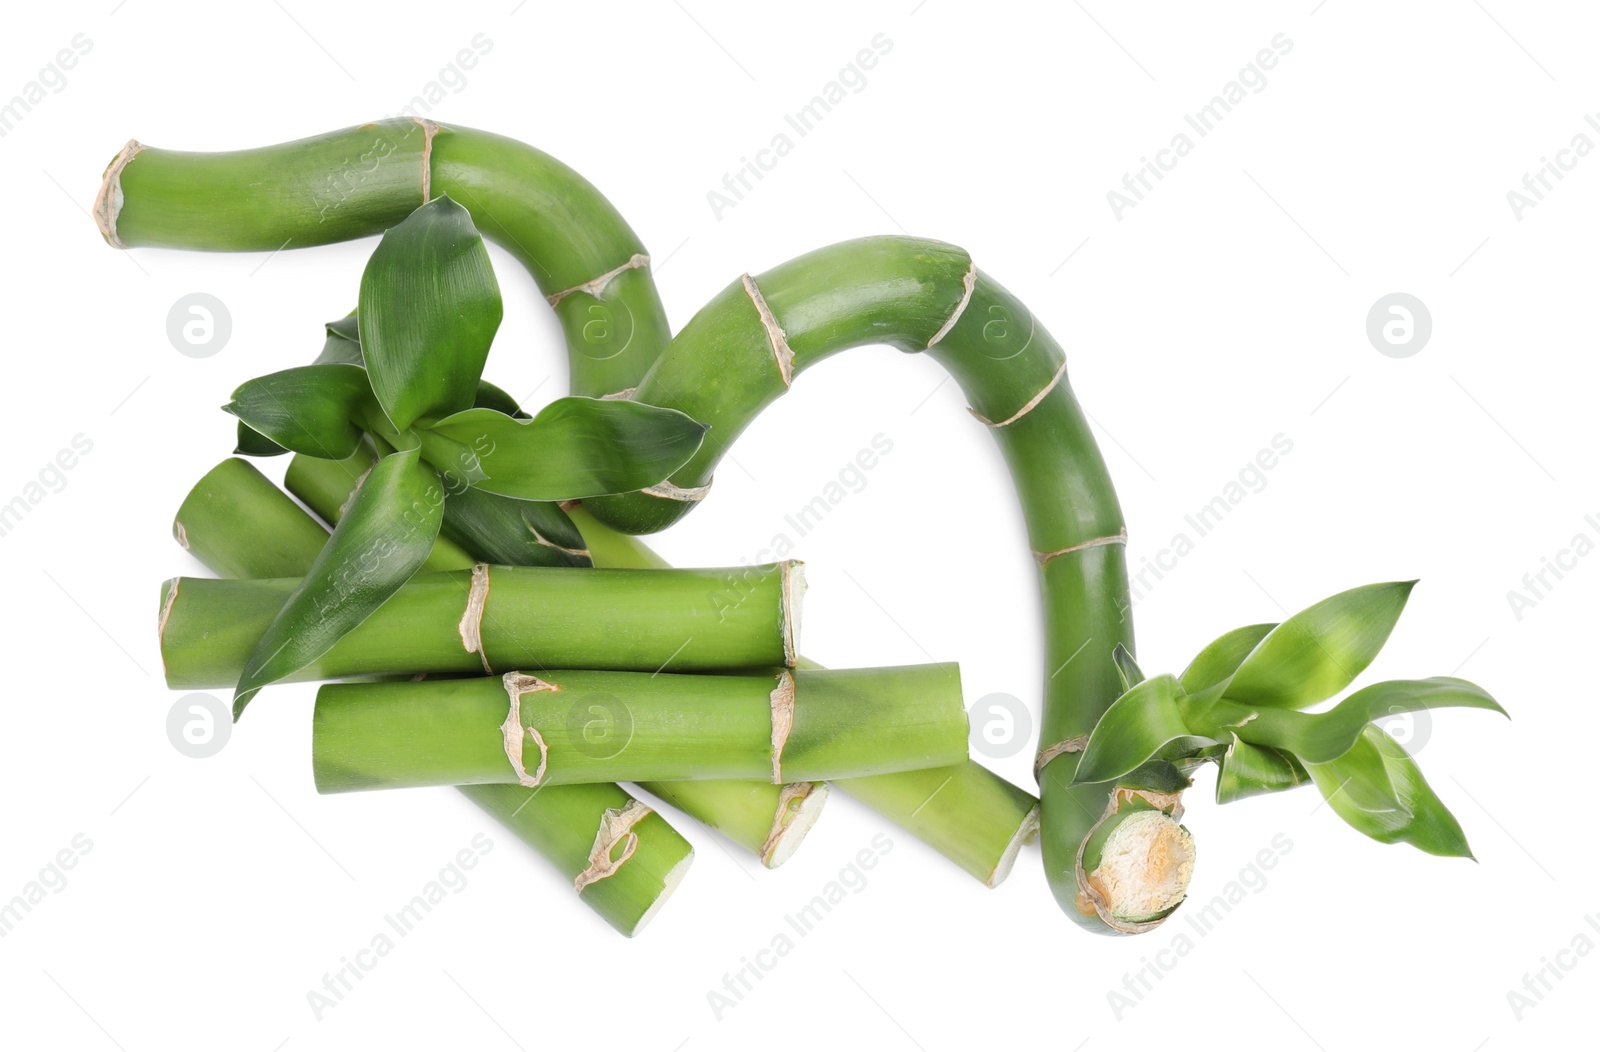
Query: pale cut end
[[1026, 833], [669, 884], [799, 807], [108, 202], [1145, 867], [794, 586]]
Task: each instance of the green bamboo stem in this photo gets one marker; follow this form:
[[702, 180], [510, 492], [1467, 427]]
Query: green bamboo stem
[[624, 860], [768, 820], [805, 725], [493, 619], [966, 812], [358, 182], [742, 351]]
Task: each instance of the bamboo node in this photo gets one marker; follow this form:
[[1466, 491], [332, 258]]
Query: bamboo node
[[513, 732], [667, 491], [548, 543], [620, 396], [1032, 403], [616, 826], [793, 577], [1049, 753], [776, 337], [429, 130], [108, 202], [782, 699], [471, 625], [969, 281], [1120, 537], [595, 286]]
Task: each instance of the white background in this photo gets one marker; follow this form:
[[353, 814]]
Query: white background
[[1227, 308]]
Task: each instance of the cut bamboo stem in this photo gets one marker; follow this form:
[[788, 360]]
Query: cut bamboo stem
[[492, 619], [624, 877], [564, 727]]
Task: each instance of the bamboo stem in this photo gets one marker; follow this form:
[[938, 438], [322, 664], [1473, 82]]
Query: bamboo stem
[[744, 349], [561, 823], [565, 727], [496, 618], [358, 182]]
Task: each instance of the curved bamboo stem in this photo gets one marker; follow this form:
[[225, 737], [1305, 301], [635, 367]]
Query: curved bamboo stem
[[744, 349]]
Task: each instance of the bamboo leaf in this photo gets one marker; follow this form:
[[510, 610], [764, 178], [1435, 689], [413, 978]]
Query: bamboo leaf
[[252, 443], [1378, 788], [1246, 770], [575, 447], [1218, 661], [1324, 736], [309, 409], [342, 343], [491, 397], [1144, 724], [429, 309], [384, 535], [1127, 668], [1317, 652]]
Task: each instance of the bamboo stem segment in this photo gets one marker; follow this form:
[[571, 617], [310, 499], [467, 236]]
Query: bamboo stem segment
[[563, 824], [566, 727], [492, 619]]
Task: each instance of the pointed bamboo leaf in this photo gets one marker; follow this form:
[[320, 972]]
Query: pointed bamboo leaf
[[1144, 724], [252, 443], [309, 409], [1127, 667], [1378, 788], [1250, 770], [1324, 736], [342, 345], [384, 535], [1218, 661], [575, 447], [491, 397], [429, 309], [1317, 652]]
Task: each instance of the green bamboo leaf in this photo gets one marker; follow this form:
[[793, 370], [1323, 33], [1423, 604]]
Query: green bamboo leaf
[[1324, 736], [384, 535], [491, 397], [1144, 724], [1221, 657], [1246, 770], [1127, 668], [575, 447], [252, 443], [429, 309], [342, 343], [310, 409], [1316, 653], [1378, 788]]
